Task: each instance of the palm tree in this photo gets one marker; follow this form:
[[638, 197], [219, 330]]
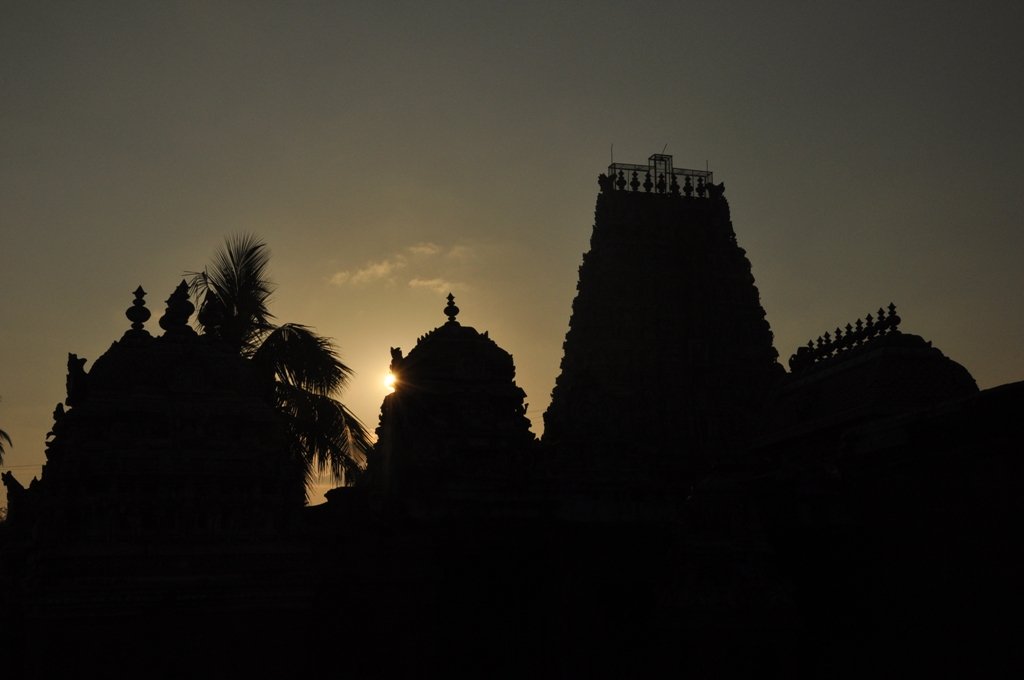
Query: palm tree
[[301, 369]]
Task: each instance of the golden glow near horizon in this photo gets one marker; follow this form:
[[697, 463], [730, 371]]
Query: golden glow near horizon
[[389, 382]]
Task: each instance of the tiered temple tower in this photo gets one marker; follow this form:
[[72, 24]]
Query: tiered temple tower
[[668, 354]]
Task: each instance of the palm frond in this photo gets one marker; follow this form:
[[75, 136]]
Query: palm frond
[[239, 283], [295, 355], [4, 437], [327, 434], [299, 368]]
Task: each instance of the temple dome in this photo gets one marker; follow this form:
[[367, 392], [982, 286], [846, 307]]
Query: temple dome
[[893, 374], [453, 357], [456, 418], [169, 436]]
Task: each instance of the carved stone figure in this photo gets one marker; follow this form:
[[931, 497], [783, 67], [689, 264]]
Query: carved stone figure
[[76, 381]]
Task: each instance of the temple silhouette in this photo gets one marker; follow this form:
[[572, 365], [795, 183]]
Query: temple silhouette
[[668, 355], [693, 507]]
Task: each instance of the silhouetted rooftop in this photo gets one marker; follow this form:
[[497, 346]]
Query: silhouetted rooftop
[[658, 176]]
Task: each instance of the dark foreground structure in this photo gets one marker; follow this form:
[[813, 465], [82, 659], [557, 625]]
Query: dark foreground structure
[[693, 509]]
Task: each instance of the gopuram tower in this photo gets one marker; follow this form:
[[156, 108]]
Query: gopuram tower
[[668, 355]]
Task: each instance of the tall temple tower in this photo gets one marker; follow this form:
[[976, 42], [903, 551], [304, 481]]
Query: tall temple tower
[[668, 354]]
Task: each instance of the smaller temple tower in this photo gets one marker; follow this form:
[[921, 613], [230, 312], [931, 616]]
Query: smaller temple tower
[[456, 425], [166, 513], [165, 439]]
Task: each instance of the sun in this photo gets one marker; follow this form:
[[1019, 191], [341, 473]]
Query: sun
[[389, 382]]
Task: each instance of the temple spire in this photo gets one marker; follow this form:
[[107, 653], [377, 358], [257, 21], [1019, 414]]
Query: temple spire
[[451, 310], [137, 313]]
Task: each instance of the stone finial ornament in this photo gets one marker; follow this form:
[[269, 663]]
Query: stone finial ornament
[[76, 382], [179, 309], [634, 183], [861, 333], [620, 182], [137, 313], [451, 310]]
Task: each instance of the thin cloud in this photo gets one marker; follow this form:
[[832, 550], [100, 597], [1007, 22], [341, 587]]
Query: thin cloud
[[424, 249], [413, 257], [439, 286], [340, 278], [460, 253], [374, 271]]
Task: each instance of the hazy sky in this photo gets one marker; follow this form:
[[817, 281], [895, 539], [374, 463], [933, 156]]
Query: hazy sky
[[390, 151]]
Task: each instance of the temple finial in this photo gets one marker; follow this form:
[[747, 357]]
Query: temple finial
[[451, 310], [179, 309], [137, 313]]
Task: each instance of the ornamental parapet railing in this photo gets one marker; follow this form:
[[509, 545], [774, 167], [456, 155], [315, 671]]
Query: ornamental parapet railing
[[855, 335], [659, 177]]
